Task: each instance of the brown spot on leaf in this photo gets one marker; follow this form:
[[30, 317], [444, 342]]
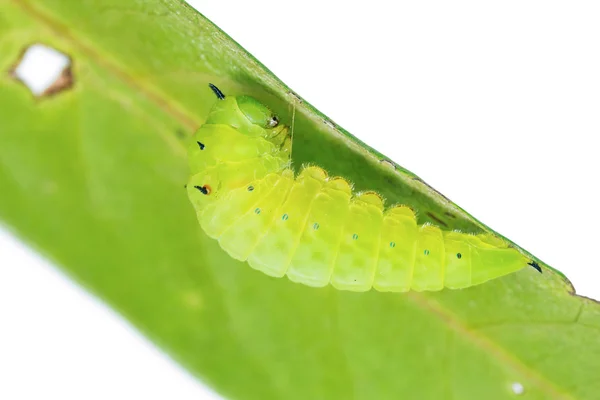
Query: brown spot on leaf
[[388, 163], [436, 218], [64, 81]]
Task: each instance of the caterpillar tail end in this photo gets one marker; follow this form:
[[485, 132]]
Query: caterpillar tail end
[[536, 266]]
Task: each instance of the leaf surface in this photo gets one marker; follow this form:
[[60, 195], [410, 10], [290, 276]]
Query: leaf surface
[[93, 178]]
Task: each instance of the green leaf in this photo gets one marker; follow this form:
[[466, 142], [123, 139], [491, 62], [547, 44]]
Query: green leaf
[[93, 177]]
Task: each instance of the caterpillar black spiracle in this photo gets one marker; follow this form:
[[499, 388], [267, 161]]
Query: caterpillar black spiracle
[[312, 227]]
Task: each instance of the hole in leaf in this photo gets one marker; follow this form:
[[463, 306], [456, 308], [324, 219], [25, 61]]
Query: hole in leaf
[[44, 70]]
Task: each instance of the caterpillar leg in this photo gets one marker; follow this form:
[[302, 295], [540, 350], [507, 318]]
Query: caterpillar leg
[[313, 260], [275, 249]]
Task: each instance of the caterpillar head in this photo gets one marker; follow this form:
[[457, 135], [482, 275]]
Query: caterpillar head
[[257, 113], [247, 115]]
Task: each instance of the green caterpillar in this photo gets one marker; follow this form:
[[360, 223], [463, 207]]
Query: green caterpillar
[[313, 228]]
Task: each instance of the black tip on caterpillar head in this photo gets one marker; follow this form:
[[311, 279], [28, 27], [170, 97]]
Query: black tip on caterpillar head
[[217, 91], [536, 266], [202, 189]]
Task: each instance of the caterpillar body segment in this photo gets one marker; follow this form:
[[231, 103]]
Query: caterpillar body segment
[[311, 227], [277, 246], [358, 252], [313, 260], [241, 238], [206, 151], [457, 269], [221, 215], [396, 259], [428, 270]]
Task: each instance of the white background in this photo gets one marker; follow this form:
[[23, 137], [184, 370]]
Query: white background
[[495, 105]]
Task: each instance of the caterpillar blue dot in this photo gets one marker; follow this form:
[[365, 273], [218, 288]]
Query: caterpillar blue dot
[[312, 228]]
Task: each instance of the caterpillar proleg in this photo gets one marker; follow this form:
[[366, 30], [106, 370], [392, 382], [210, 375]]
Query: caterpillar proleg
[[312, 228]]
